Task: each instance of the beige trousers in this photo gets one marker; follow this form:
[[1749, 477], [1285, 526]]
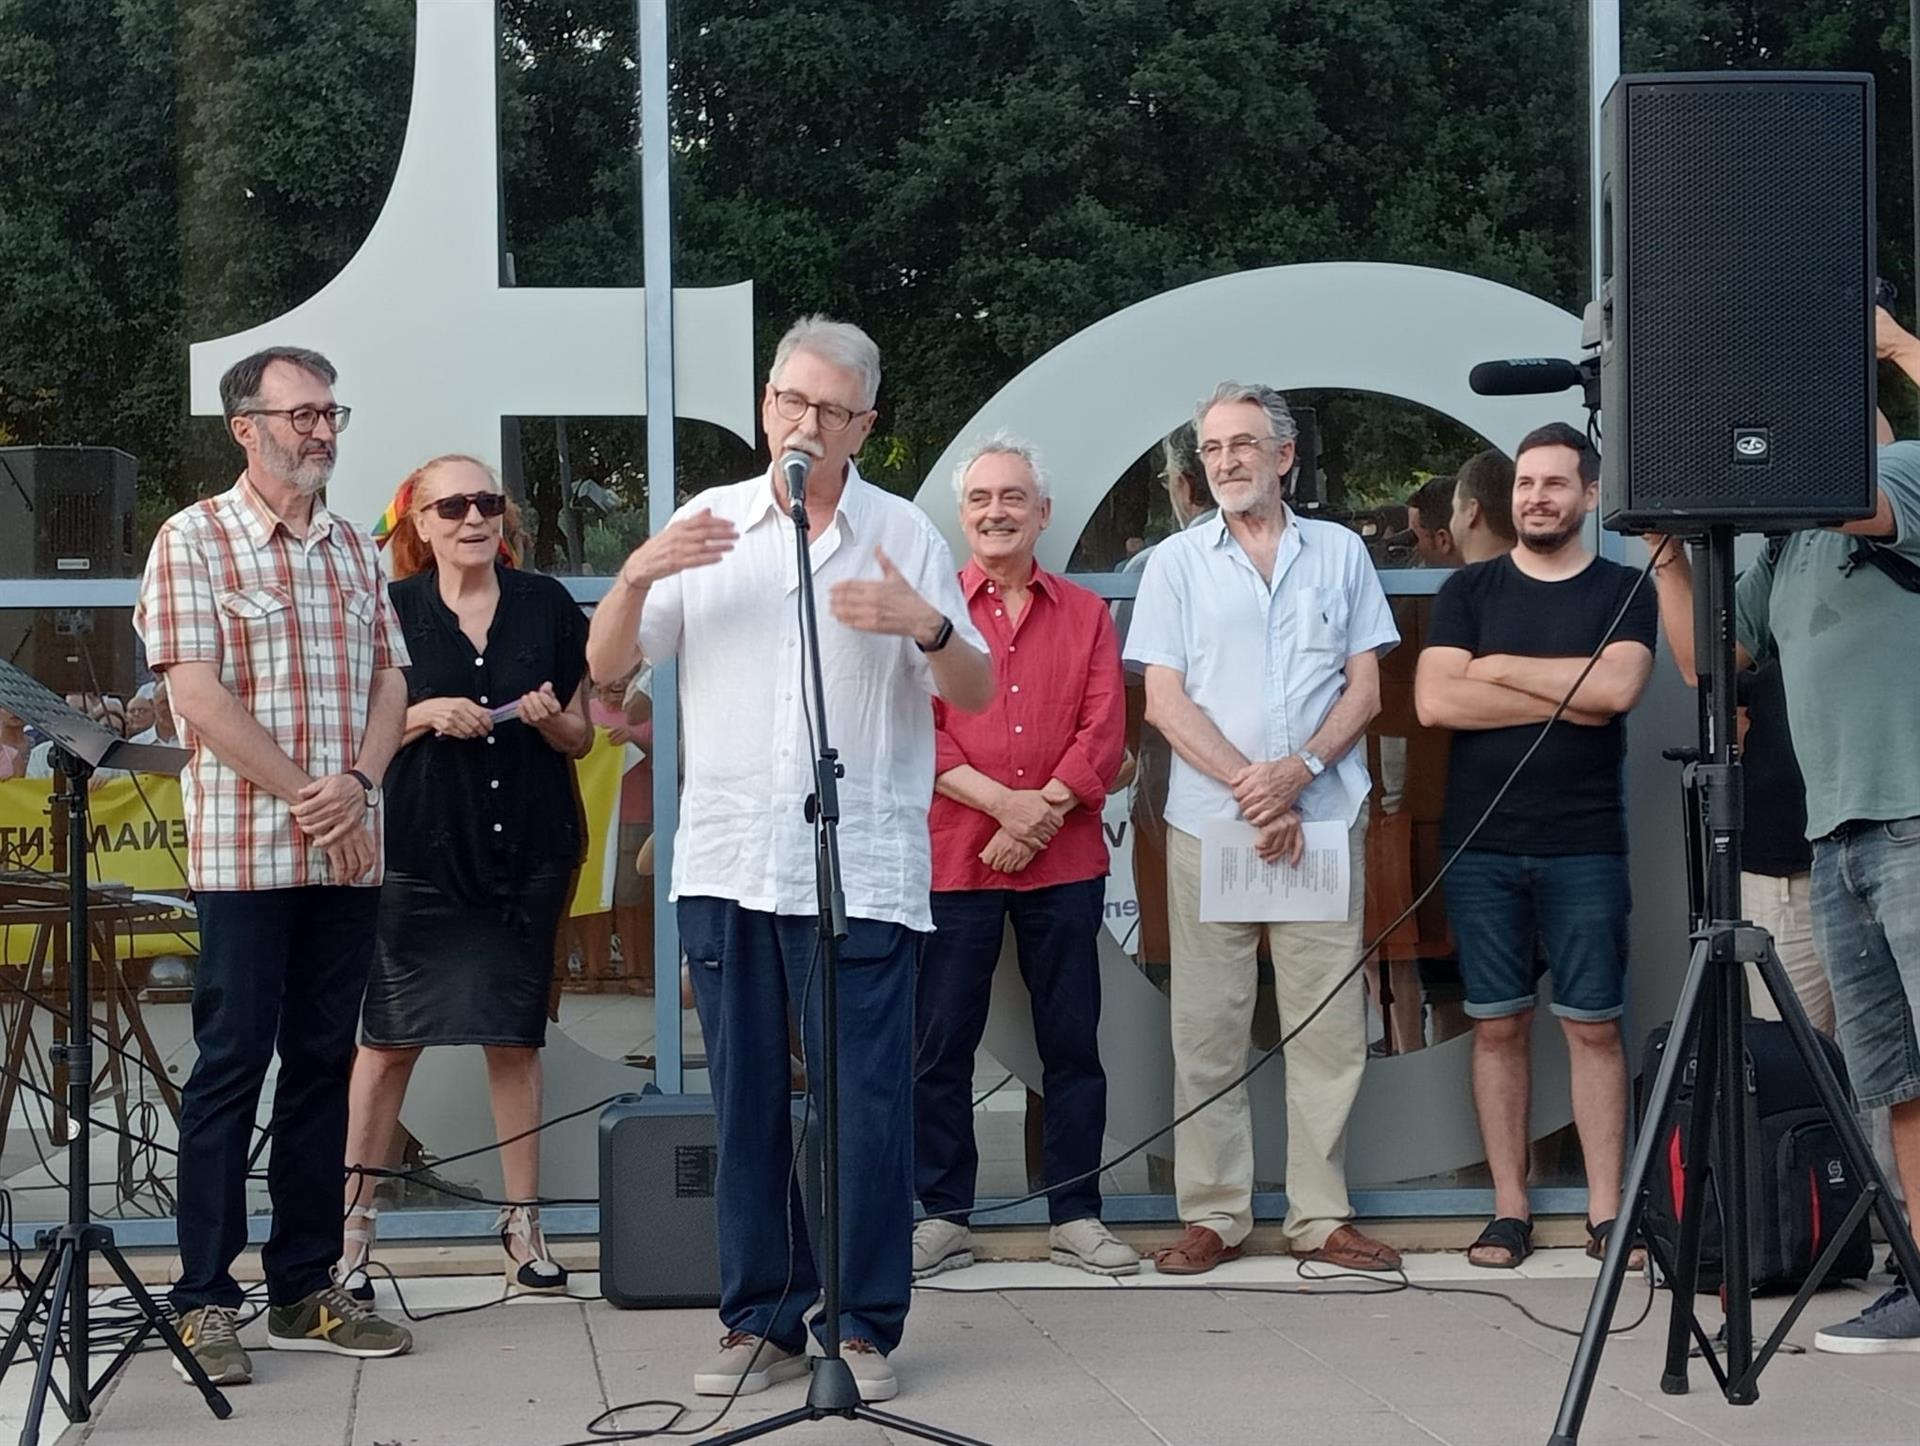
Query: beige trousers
[[1214, 981]]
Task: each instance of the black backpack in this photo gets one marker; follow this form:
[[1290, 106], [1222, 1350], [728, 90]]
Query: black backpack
[[1800, 1186]]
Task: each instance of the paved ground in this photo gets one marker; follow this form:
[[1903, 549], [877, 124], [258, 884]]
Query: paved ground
[[1129, 1364]]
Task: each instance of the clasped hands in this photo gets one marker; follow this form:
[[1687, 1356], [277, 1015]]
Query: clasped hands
[[332, 811], [1267, 793], [1029, 818]]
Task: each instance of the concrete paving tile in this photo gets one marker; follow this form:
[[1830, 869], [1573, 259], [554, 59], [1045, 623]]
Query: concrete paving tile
[[1014, 1274], [295, 1400]]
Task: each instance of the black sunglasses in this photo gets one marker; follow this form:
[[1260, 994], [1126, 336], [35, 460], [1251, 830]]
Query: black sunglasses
[[454, 509]]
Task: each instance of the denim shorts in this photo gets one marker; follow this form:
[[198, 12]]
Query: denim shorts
[[1866, 923], [1573, 906]]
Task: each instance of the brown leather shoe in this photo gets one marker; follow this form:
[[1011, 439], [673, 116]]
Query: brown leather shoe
[[1194, 1253], [1348, 1249]]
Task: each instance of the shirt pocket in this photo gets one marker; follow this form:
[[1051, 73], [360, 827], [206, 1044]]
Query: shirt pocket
[[360, 616], [1322, 620], [257, 634]]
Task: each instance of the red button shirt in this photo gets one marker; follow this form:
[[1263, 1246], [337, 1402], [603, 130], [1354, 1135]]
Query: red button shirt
[[1060, 713]]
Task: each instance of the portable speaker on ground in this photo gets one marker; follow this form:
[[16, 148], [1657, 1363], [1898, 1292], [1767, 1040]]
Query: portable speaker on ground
[[659, 1245], [1737, 288]]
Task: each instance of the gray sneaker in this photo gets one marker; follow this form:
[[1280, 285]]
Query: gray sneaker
[[746, 1365], [1088, 1245], [210, 1334], [331, 1320], [940, 1245], [1890, 1326], [872, 1372]]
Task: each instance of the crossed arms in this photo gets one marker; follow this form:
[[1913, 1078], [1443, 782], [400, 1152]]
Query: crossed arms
[[1454, 689]]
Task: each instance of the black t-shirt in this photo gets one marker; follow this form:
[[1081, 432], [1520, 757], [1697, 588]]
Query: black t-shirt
[[474, 814], [1774, 838], [1568, 799]]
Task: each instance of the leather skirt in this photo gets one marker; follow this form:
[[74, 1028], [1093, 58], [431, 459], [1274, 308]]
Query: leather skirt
[[447, 972]]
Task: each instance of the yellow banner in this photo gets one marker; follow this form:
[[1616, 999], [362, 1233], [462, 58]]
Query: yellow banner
[[143, 843]]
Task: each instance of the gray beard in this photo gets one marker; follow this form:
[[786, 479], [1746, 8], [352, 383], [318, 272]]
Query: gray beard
[[305, 475]]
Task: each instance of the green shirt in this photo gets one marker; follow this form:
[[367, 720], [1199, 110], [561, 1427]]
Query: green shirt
[[1849, 650]]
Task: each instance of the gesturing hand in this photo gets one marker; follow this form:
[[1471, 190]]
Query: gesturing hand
[[888, 606], [697, 540]]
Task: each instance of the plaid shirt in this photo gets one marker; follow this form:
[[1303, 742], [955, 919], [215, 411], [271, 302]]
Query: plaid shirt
[[297, 627]]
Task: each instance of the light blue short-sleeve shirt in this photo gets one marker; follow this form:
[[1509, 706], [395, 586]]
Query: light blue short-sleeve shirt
[[1265, 661]]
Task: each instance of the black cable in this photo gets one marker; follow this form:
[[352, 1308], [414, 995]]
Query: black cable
[[1366, 950], [1391, 1283], [980, 1100]]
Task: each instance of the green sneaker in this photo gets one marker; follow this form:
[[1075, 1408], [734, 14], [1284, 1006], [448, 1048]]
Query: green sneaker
[[332, 1320], [209, 1333]]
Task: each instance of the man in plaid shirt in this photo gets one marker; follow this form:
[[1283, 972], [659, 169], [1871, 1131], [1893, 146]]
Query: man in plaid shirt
[[268, 619]]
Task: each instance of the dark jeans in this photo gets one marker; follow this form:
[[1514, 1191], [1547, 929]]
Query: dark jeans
[[749, 971], [285, 969], [1056, 931]]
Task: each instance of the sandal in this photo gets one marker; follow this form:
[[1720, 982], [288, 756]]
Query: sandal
[[533, 1270], [1597, 1236], [1508, 1233], [351, 1272]]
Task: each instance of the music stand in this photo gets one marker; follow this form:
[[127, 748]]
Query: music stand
[[80, 747]]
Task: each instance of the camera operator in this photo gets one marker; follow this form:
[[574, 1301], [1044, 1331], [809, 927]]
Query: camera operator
[[1836, 607]]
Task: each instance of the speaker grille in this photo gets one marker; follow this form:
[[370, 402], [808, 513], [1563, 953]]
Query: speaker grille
[[1747, 228]]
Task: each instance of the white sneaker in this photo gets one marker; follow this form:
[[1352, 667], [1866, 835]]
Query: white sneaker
[[747, 1365], [872, 1372], [1088, 1245], [939, 1246]]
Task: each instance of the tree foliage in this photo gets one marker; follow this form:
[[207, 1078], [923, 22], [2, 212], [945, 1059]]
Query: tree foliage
[[973, 180]]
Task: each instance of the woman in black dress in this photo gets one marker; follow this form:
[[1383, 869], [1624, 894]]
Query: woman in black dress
[[483, 838]]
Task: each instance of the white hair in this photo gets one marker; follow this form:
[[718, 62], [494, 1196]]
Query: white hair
[[839, 342], [1002, 444], [1279, 417]]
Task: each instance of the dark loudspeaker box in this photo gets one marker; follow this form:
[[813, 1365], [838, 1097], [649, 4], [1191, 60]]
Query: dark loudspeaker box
[[1737, 370], [659, 1243]]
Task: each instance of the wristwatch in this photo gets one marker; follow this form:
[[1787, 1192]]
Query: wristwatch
[[1312, 762], [372, 788], [939, 638]]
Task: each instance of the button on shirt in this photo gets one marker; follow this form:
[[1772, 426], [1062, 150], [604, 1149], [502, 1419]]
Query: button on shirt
[[1265, 661], [296, 627], [1060, 713], [749, 766]]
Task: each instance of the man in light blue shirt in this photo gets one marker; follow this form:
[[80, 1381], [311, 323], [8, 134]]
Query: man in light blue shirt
[[1260, 633]]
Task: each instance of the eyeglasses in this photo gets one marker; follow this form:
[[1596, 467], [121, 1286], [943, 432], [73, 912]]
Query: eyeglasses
[[304, 419], [1241, 446], [454, 509], [793, 406]]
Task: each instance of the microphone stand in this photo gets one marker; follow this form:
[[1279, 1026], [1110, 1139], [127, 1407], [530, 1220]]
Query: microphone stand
[[832, 1390]]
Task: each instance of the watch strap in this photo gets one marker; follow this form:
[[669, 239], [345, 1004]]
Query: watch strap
[[940, 639]]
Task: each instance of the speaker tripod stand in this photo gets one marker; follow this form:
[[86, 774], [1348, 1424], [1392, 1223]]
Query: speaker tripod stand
[[1711, 1017]]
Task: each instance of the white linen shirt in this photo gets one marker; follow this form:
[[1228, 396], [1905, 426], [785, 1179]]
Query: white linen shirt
[[743, 831], [1266, 662]]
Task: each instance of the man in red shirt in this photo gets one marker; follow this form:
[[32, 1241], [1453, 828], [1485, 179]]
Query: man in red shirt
[[1016, 835]]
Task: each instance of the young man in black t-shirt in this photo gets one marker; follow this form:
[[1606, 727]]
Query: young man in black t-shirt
[[1507, 640]]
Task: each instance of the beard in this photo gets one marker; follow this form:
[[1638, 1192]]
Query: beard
[[1551, 541], [305, 474]]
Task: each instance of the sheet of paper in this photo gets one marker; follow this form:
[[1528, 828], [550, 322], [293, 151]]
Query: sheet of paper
[[1237, 886]]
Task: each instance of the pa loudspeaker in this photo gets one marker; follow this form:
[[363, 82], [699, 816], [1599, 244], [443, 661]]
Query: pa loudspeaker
[[1737, 363], [659, 1158]]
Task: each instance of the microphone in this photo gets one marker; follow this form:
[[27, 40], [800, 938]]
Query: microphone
[[794, 468], [1527, 376]]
